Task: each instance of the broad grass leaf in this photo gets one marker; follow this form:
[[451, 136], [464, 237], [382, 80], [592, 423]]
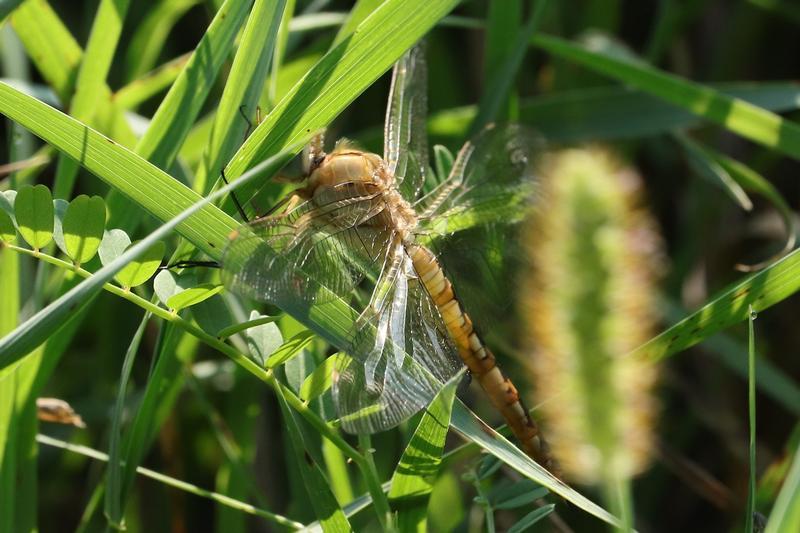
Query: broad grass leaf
[[140, 270], [83, 226], [34, 210]]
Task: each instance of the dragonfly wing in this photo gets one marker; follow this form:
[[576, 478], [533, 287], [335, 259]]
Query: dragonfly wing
[[314, 252], [400, 354], [405, 138], [493, 180]]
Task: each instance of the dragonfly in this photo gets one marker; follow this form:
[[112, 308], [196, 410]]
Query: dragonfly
[[364, 218]]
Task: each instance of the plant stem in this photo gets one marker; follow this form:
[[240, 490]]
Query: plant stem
[[373, 482]]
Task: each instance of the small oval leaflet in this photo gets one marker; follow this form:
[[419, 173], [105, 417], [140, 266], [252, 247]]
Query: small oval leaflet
[[192, 296], [263, 340], [167, 284], [59, 210], [114, 243], [289, 349], [34, 210], [140, 270], [83, 226], [321, 379], [7, 231]]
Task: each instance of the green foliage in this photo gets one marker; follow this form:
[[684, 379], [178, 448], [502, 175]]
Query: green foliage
[[185, 410]]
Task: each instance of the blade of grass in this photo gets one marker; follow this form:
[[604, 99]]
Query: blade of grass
[[94, 66], [736, 115], [338, 78], [612, 112], [473, 429], [148, 41], [242, 88], [413, 479], [177, 112], [761, 291], [785, 515], [176, 483], [751, 409], [150, 84], [326, 508], [501, 78], [113, 506]]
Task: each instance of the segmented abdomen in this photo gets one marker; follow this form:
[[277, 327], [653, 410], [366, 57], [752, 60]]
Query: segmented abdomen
[[480, 361]]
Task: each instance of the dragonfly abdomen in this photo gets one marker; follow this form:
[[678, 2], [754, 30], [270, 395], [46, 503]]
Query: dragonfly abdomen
[[477, 356]]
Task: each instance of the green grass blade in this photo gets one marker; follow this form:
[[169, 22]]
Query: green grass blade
[[321, 498], [113, 507], [148, 41], [751, 409], [242, 88], [150, 84], [413, 479], [339, 77], [761, 291], [49, 44], [612, 112], [501, 80], [472, 428], [785, 515], [749, 121]]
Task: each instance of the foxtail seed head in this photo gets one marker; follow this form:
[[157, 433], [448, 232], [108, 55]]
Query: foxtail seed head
[[589, 299]]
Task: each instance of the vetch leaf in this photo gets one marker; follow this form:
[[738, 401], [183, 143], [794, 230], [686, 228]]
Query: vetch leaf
[[7, 231], [114, 243], [141, 269], [83, 226], [321, 379], [34, 210], [166, 284], [289, 349], [59, 210], [193, 295], [263, 339]]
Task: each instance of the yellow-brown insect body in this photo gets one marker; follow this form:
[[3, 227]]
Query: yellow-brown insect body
[[336, 176], [477, 356], [369, 173]]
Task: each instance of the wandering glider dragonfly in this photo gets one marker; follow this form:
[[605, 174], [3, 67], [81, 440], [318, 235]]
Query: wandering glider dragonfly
[[361, 216]]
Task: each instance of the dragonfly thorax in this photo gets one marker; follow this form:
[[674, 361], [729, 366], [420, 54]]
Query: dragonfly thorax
[[347, 173]]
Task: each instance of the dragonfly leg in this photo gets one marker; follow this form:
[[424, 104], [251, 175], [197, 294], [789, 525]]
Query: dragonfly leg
[[235, 200]]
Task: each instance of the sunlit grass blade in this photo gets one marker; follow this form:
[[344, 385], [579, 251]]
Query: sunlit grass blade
[[242, 89], [749, 121], [751, 408], [785, 515], [150, 84], [731, 306], [413, 479], [472, 428], [339, 77], [321, 498], [612, 112], [151, 33], [114, 508]]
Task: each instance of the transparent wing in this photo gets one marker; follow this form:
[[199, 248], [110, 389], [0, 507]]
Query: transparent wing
[[492, 180], [400, 355], [312, 252], [405, 139]]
